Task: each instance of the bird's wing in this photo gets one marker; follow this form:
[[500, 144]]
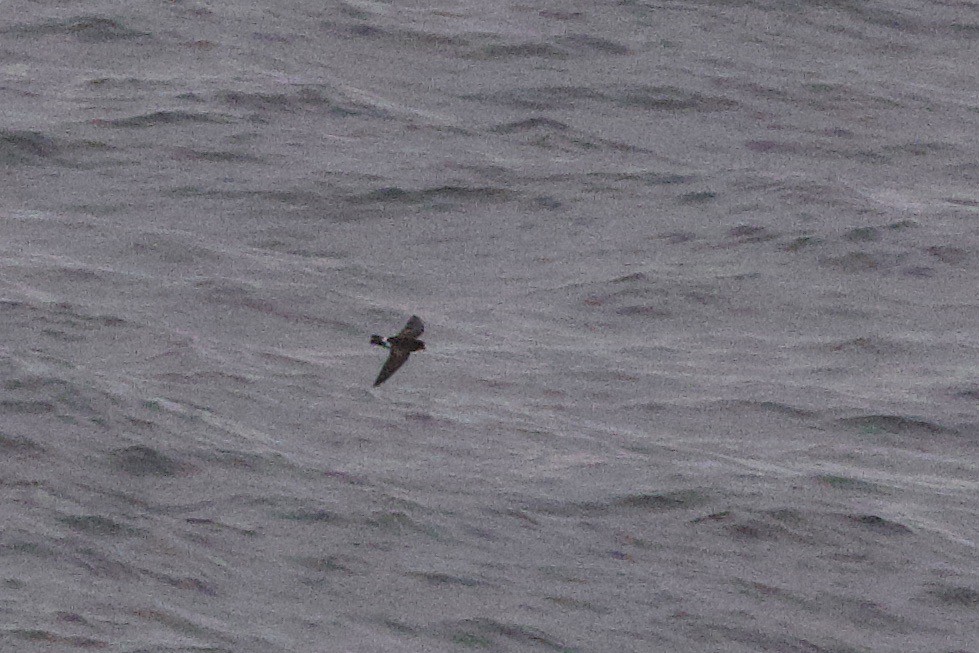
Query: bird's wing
[[395, 360], [413, 329]]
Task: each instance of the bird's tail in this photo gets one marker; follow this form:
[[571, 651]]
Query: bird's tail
[[377, 340]]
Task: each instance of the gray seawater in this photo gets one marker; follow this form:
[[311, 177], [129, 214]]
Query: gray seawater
[[700, 286]]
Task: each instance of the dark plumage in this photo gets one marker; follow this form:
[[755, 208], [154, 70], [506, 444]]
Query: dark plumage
[[401, 346]]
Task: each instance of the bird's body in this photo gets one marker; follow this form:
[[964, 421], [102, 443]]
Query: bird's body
[[401, 346]]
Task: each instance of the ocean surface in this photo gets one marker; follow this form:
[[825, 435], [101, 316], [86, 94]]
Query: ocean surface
[[700, 282]]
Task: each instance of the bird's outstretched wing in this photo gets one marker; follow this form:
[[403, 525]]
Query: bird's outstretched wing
[[413, 329], [395, 360]]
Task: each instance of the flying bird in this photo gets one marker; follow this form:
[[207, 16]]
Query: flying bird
[[401, 347]]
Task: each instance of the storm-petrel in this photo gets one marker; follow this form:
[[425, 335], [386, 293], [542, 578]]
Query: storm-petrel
[[401, 346]]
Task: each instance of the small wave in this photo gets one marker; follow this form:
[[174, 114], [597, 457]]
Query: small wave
[[955, 595], [951, 255], [697, 197], [536, 124], [188, 583], [897, 424], [332, 564], [553, 134], [438, 578], [847, 483], [20, 147], [497, 51], [871, 344], [402, 38], [562, 47], [751, 233], [767, 146], [50, 638], [213, 156], [640, 502], [10, 406], [305, 98], [539, 98], [646, 177], [17, 445], [483, 633], [142, 460], [669, 98], [776, 407], [193, 626], [168, 252], [747, 527], [878, 524], [855, 262], [651, 98], [99, 526], [317, 516], [397, 521], [398, 195], [87, 29], [172, 117], [970, 393], [588, 43]]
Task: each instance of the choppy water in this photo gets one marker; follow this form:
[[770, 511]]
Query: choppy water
[[699, 282]]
